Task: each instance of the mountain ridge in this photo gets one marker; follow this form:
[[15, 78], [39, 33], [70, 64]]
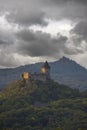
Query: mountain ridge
[[64, 71]]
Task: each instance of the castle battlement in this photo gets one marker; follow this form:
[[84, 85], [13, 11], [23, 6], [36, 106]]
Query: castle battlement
[[43, 76]]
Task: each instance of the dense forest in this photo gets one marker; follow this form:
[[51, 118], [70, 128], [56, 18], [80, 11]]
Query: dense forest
[[40, 105]]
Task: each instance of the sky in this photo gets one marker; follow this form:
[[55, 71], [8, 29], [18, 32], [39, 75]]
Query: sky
[[37, 30]]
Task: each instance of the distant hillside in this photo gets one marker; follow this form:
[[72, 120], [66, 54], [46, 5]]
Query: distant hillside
[[64, 71], [42, 106], [68, 72]]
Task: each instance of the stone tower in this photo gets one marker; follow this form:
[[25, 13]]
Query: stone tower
[[46, 70]]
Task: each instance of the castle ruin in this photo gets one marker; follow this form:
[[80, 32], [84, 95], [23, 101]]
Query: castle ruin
[[42, 76]]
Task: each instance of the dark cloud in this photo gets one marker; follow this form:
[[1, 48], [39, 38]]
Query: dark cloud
[[40, 44], [6, 37], [81, 30], [24, 13], [26, 35], [27, 17], [28, 12], [67, 9], [65, 1], [2, 42], [74, 51], [7, 60]]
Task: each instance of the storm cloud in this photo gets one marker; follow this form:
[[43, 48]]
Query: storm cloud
[[18, 41], [81, 30], [40, 44]]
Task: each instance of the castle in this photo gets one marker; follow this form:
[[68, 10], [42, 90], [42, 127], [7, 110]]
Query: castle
[[42, 76]]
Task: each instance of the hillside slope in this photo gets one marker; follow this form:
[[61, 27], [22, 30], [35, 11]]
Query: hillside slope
[[42, 105], [38, 91], [68, 72]]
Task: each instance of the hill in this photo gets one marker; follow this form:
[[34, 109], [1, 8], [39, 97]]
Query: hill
[[38, 91], [68, 72], [63, 71], [42, 105]]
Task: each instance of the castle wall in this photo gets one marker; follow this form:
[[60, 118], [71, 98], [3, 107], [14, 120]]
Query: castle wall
[[41, 77]]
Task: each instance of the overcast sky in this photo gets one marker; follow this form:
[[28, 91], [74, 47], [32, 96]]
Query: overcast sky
[[38, 30]]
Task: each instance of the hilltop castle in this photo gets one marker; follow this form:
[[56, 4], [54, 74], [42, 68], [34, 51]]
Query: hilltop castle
[[42, 76]]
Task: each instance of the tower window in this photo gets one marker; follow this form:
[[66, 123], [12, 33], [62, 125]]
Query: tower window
[[26, 75], [43, 70]]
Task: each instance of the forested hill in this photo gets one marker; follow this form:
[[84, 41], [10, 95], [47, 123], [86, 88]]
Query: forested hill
[[39, 91], [40, 105]]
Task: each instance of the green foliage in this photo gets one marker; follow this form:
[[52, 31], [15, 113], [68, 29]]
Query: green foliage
[[40, 105]]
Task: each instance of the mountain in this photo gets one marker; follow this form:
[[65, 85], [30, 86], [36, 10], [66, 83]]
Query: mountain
[[64, 71], [40, 105], [68, 72]]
